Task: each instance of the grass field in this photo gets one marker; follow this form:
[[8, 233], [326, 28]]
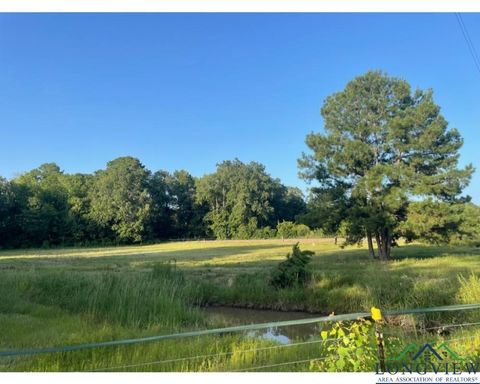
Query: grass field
[[71, 296]]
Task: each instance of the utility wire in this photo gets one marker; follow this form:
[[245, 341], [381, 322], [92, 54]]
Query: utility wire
[[468, 40]]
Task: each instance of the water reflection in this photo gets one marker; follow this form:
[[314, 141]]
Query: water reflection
[[242, 316]]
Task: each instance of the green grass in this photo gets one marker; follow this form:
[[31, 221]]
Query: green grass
[[71, 296]]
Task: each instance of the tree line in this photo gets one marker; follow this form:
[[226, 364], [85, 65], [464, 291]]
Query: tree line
[[127, 203], [385, 167]]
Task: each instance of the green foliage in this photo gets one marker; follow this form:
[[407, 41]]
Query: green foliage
[[469, 228], [264, 233], [8, 208], [242, 198], [187, 214], [42, 204], [353, 348], [123, 203], [294, 271], [326, 210], [288, 203], [441, 222], [120, 199], [433, 221], [290, 230], [383, 144]]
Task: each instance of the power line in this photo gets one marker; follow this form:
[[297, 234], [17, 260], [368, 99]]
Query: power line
[[468, 40]]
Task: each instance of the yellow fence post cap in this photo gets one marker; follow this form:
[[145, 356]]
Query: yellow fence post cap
[[376, 314]]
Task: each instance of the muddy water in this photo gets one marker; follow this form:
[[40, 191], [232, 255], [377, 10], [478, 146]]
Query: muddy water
[[242, 316]]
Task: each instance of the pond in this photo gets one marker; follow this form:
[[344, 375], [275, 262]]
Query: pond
[[231, 316]]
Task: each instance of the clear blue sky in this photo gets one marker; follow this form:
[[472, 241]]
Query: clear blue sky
[[185, 91]]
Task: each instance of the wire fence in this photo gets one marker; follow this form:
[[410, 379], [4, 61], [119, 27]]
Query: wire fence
[[261, 355], [213, 355]]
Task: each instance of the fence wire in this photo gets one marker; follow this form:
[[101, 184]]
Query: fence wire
[[279, 364], [213, 355], [346, 317]]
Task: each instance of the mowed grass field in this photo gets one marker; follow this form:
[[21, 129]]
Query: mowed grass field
[[71, 296]]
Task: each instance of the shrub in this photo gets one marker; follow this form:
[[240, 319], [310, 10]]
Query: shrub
[[289, 230], [264, 233], [293, 271], [354, 351]]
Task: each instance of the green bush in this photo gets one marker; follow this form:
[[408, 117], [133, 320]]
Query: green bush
[[294, 271], [291, 230], [264, 233], [353, 351]]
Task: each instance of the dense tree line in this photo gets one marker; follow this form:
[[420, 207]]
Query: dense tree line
[[127, 203], [385, 167]]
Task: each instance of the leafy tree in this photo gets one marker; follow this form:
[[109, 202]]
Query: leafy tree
[[43, 206], [288, 203], [7, 213], [326, 209], [81, 228], [120, 199], [382, 145], [187, 215], [160, 220], [239, 197], [242, 199]]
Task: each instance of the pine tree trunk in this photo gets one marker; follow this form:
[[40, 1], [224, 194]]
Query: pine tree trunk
[[371, 250], [383, 244], [378, 239], [388, 243]]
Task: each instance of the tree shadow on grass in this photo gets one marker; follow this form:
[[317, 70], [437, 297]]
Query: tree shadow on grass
[[418, 251], [193, 255], [408, 251]]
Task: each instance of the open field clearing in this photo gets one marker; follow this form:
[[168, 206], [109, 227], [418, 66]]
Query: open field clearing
[[75, 296], [345, 280]]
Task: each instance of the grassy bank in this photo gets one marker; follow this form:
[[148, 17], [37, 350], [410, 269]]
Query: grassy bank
[[72, 296]]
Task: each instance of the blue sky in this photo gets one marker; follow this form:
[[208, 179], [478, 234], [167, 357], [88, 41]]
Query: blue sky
[[185, 91]]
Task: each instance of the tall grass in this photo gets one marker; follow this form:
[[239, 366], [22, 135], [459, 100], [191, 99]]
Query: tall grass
[[163, 297], [98, 295]]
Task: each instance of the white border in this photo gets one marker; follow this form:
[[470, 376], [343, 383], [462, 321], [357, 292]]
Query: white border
[[190, 378], [220, 6], [239, 6]]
